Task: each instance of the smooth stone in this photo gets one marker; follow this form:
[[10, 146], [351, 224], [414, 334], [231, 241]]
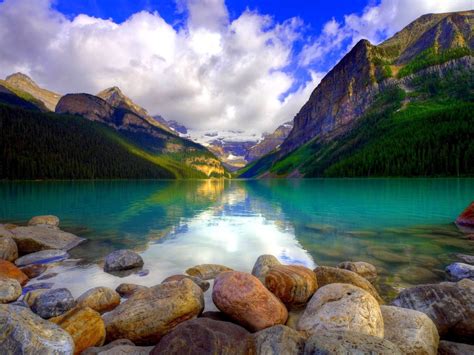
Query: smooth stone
[[126, 290], [143, 273], [204, 285], [34, 270], [100, 299], [8, 248], [53, 303], [31, 296], [207, 271], [149, 314], [95, 350], [292, 284], [449, 305], [451, 348], [205, 336], [459, 271], [468, 259], [216, 315], [119, 346], [246, 300], [46, 220], [348, 343], [38, 286], [85, 326], [262, 265], [36, 238], [123, 259], [327, 275], [42, 257], [366, 270], [11, 271], [10, 290], [466, 218], [412, 331], [48, 276], [294, 316], [5, 231], [279, 339], [23, 332], [342, 307]]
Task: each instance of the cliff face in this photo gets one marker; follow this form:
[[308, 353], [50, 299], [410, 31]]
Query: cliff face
[[269, 142]]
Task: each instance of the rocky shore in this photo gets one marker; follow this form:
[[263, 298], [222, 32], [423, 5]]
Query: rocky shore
[[275, 309]]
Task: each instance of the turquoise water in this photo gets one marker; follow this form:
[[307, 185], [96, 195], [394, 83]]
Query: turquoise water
[[403, 226]]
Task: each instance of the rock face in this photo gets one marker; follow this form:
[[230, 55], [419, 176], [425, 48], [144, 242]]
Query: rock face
[[204, 285], [246, 300], [53, 303], [269, 142], [327, 275], [342, 307], [279, 339], [343, 343], [412, 331], [8, 248], [366, 270], [85, 326], [49, 220], [149, 314], [126, 290], [23, 332], [449, 305], [36, 238], [34, 270], [262, 265], [205, 336], [459, 271], [120, 260], [100, 299], [10, 290], [42, 257], [451, 348], [292, 284], [466, 218], [9, 270], [207, 271]]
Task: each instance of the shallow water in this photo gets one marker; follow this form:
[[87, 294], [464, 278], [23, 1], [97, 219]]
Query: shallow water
[[403, 226]]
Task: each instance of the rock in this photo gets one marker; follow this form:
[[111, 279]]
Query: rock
[[459, 271], [293, 318], [34, 270], [366, 270], [207, 271], [216, 315], [5, 231], [10, 290], [95, 350], [451, 348], [8, 249], [466, 218], [38, 286], [42, 257], [246, 300], [279, 339], [149, 314], [53, 303], [119, 347], [10, 271], [85, 326], [468, 259], [48, 276], [292, 284], [449, 305], [327, 275], [120, 260], [49, 220], [346, 343], [262, 265], [412, 331], [126, 290], [37, 238], [205, 336], [100, 299], [342, 307], [204, 285], [31, 296], [23, 332]]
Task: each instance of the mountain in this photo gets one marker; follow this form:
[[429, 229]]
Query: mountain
[[174, 125], [359, 113], [269, 142]]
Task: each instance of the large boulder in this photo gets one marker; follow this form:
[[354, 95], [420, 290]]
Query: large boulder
[[204, 285], [42, 257], [47, 220], [10, 290], [53, 303], [342, 307], [292, 284], [459, 271], [8, 248], [100, 299], [452, 348], [262, 265], [246, 300], [466, 218], [119, 346], [149, 314], [85, 326], [279, 339], [23, 332], [207, 271], [328, 275], [11, 271], [121, 260], [366, 270], [205, 336], [412, 331], [126, 290], [449, 305]]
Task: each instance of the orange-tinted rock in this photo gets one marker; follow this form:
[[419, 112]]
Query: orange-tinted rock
[[34, 270], [246, 300], [292, 284], [48, 220], [207, 271], [10, 270], [126, 290], [100, 299], [204, 285], [466, 218]]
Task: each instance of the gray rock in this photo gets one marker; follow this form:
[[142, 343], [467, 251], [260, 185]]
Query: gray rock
[[459, 271], [53, 303], [10, 290], [262, 265], [23, 332], [120, 260], [468, 259], [204, 285], [120, 346], [47, 220], [8, 248], [95, 350], [279, 339], [452, 348], [42, 257]]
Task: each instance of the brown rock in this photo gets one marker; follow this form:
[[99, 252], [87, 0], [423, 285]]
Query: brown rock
[[48, 220], [293, 317], [127, 290], [262, 265], [452, 348], [85, 326], [207, 271], [466, 218], [34, 270], [204, 285], [279, 339], [10, 271], [100, 299], [10, 290], [246, 300], [8, 248], [31, 296], [366, 270]]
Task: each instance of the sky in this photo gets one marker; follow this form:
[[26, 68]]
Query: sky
[[212, 65]]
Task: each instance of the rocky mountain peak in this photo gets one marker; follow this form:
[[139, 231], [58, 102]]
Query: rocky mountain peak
[[20, 78]]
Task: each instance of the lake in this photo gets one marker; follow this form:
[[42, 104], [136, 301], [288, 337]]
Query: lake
[[403, 226]]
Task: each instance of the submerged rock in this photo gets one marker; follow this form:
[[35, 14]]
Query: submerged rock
[[10, 290], [204, 285], [468, 259], [279, 339], [452, 348], [126, 290], [42, 257], [207, 271], [366, 270], [262, 265], [53, 303], [8, 248], [34, 270], [121, 260], [466, 218], [11, 271], [459, 271], [47, 220], [100, 299]]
